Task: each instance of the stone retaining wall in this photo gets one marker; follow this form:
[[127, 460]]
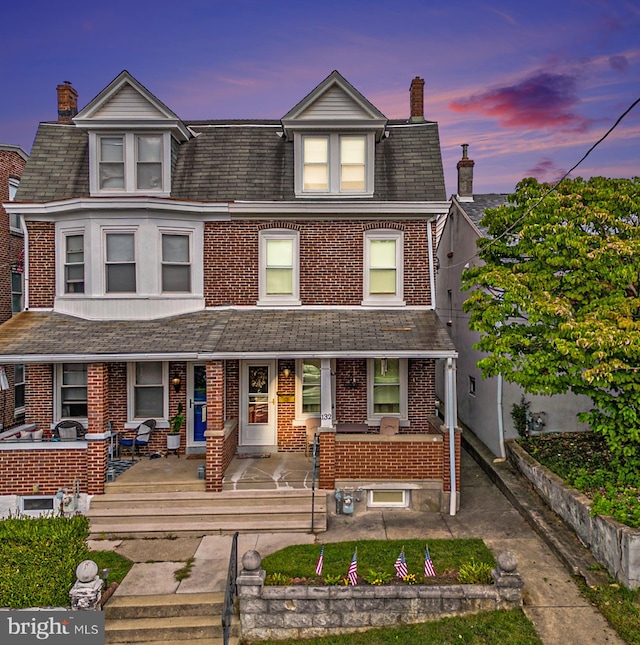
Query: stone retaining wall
[[274, 613], [614, 545]]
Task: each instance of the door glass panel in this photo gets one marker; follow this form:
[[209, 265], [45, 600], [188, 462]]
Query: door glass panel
[[258, 393]]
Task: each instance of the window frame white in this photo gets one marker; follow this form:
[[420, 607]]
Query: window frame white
[[182, 233], [334, 162], [278, 299], [60, 386], [18, 410], [378, 300], [15, 226], [65, 263], [403, 368], [130, 161], [106, 231], [371, 503], [131, 392], [19, 293]]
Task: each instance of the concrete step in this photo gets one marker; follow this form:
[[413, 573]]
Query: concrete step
[[167, 619], [122, 488]]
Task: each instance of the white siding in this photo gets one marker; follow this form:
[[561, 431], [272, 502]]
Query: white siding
[[128, 104], [334, 104]]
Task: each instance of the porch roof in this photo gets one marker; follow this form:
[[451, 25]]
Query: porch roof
[[37, 336]]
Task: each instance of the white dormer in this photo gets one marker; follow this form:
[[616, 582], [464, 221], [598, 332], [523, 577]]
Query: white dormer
[[334, 130], [130, 134]]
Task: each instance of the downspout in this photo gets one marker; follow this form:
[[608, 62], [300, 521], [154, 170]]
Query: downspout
[[451, 424], [432, 275], [503, 455], [25, 263]]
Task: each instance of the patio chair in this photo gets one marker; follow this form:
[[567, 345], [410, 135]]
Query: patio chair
[[141, 438], [312, 426], [389, 426], [68, 430]]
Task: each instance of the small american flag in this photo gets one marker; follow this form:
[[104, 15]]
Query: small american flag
[[401, 566], [352, 574], [320, 561], [428, 565]]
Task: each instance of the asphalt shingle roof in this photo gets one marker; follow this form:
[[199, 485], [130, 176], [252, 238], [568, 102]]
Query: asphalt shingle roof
[[237, 161], [475, 209], [229, 333]]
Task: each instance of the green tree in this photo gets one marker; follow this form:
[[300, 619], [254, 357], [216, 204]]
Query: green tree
[[556, 298]]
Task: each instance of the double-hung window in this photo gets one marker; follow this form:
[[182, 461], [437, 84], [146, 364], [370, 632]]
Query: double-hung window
[[74, 263], [120, 262], [310, 384], [279, 267], [14, 218], [149, 390], [176, 263], [17, 292], [383, 270], [335, 164], [131, 162], [18, 389], [387, 381], [72, 391]]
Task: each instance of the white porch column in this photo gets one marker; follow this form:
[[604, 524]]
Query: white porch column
[[326, 404]]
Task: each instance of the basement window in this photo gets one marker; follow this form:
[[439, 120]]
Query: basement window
[[36, 505], [388, 498]]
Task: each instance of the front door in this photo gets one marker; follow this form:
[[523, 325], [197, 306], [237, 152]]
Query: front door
[[258, 417], [197, 413]]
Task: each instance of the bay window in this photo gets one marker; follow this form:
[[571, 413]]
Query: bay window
[[74, 264], [120, 265], [176, 264]]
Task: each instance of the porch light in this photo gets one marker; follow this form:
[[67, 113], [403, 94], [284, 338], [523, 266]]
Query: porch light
[[176, 381], [286, 372]]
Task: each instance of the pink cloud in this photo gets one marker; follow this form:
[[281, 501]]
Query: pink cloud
[[619, 63], [546, 170], [542, 100]]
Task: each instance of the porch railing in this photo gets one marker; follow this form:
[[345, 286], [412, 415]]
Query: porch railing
[[230, 590]]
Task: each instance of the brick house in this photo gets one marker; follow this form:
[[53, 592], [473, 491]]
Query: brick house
[[260, 273], [12, 162]]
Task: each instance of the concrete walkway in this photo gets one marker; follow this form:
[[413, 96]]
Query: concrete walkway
[[551, 598]]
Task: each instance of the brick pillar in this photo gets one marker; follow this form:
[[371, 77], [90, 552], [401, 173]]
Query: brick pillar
[[327, 479], [214, 435], [98, 417]]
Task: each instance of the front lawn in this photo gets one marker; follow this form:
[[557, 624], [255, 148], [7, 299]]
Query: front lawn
[[298, 562], [584, 461]]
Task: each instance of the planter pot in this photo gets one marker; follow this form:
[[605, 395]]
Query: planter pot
[[173, 441]]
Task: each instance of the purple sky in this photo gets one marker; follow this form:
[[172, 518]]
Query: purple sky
[[530, 86]]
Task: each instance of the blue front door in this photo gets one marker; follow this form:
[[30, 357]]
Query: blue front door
[[199, 403]]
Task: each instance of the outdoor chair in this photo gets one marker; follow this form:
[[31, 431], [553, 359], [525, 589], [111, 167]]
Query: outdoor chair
[[68, 430], [311, 429], [389, 426], [140, 439]]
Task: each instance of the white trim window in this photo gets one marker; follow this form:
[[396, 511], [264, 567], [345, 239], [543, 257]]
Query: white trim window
[[310, 388], [72, 398], [120, 262], [334, 164], [14, 218], [279, 267], [18, 389], [17, 292], [387, 388], [131, 163], [383, 268], [74, 263], [148, 393], [176, 262]]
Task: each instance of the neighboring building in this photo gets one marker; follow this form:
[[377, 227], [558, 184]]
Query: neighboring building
[[12, 162], [484, 405], [261, 273]]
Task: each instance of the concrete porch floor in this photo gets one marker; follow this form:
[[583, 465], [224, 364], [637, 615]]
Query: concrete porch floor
[[281, 470]]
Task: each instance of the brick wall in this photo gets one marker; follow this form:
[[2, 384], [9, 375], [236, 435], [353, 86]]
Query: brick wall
[[39, 396], [42, 472], [42, 270], [331, 254]]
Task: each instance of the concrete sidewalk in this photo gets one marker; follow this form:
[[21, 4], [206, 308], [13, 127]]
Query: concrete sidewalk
[[551, 598]]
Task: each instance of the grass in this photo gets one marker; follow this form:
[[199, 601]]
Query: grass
[[299, 561], [488, 628], [117, 564]]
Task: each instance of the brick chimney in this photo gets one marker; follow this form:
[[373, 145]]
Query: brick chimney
[[465, 176], [67, 102], [416, 96]]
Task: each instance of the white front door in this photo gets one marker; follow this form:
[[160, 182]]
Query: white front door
[[258, 414]]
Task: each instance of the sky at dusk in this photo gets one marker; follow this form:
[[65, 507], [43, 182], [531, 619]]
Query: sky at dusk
[[530, 86]]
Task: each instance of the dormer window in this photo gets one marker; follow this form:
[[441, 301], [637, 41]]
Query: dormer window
[[131, 163], [335, 164]]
